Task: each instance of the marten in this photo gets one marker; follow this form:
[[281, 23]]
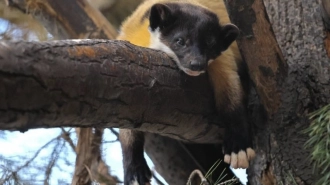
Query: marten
[[198, 36]]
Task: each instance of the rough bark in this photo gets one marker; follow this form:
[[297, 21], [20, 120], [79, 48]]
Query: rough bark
[[301, 38], [265, 61], [63, 18], [103, 84], [281, 156]]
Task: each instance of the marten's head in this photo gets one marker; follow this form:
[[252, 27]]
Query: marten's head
[[190, 34]]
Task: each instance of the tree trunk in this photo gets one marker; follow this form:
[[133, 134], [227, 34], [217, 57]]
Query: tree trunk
[[281, 156]]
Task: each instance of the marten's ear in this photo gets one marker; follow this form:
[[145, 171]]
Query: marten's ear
[[229, 34], [160, 16]]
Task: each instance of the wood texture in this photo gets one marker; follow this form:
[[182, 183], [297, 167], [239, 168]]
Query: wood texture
[[260, 50], [281, 156], [102, 83]]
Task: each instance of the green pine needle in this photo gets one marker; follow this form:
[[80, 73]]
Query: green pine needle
[[319, 133]]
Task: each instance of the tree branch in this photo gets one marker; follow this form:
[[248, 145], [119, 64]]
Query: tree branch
[[63, 18], [103, 83], [260, 50]]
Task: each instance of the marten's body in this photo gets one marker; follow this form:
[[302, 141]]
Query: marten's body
[[198, 35]]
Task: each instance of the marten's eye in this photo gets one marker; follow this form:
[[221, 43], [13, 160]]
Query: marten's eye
[[180, 41], [210, 43]]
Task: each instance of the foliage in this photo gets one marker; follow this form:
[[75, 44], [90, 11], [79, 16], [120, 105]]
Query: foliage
[[319, 143]]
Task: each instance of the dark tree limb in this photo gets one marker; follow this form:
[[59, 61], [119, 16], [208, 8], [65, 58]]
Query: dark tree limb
[[268, 70], [102, 84], [260, 50], [287, 99]]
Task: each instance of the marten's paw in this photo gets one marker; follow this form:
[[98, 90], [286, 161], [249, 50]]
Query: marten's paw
[[238, 151], [240, 160], [137, 174]]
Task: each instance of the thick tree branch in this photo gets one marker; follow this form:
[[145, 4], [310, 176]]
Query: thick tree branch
[[281, 156], [102, 84], [260, 50]]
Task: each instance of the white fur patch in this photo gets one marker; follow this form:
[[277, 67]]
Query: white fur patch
[[156, 43]]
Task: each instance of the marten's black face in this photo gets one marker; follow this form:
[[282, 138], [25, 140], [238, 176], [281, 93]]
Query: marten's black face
[[190, 34]]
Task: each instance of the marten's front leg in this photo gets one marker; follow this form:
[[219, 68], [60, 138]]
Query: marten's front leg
[[231, 105], [237, 143], [136, 170]]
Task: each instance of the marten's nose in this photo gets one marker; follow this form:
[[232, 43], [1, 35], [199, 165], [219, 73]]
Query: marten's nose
[[196, 65]]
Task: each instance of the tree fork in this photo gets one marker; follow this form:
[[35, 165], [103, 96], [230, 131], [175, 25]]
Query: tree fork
[[103, 83]]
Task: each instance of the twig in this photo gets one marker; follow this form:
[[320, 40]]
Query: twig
[[199, 173], [53, 159], [229, 181], [66, 136], [14, 173]]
